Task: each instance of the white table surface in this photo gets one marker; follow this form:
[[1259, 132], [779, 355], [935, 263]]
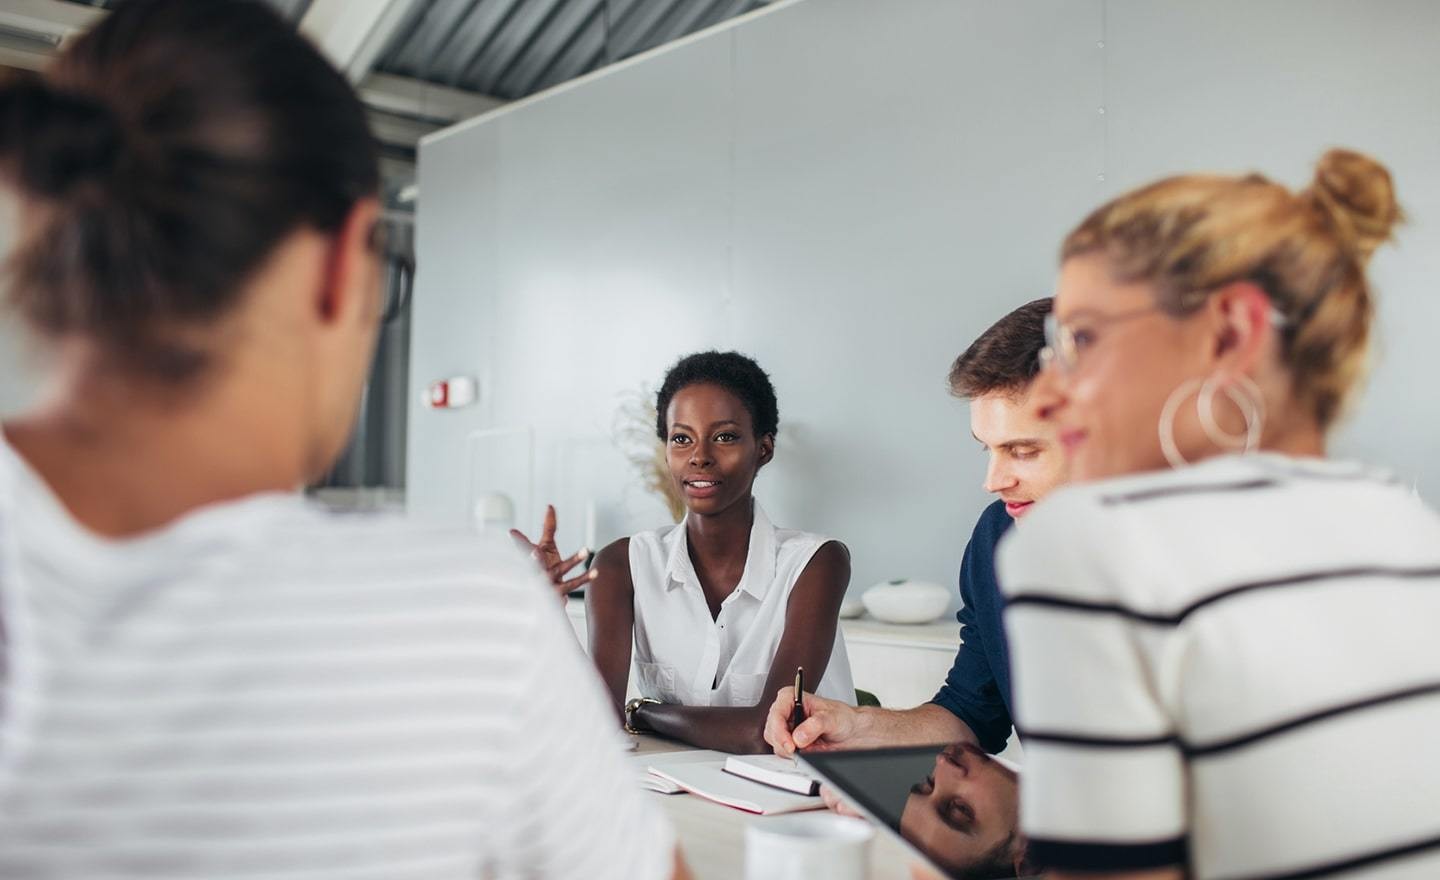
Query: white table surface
[[713, 836]]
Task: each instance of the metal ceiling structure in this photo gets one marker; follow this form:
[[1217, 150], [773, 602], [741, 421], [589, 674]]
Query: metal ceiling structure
[[508, 49], [420, 65], [512, 48], [292, 9]]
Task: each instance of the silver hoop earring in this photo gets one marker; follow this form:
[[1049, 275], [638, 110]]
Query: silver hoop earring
[[1168, 448], [1246, 396]]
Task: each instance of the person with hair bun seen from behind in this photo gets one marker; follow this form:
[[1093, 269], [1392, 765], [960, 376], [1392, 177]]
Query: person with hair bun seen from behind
[[1224, 649], [205, 675], [724, 606]]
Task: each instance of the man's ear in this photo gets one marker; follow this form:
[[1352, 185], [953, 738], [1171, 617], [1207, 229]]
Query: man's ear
[[351, 279], [1242, 315], [767, 448]]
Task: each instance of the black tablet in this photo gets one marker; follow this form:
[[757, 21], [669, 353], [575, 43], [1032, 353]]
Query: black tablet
[[953, 806]]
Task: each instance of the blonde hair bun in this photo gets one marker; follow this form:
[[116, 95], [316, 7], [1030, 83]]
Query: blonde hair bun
[[1356, 193]]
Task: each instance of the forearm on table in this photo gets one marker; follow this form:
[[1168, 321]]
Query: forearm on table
[[723, 728], [925, 724]]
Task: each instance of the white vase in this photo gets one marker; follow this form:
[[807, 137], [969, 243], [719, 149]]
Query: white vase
[[906, 601]]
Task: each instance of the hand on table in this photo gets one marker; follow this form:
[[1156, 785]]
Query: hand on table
[[829, 724], [548, 555], [835, 804]]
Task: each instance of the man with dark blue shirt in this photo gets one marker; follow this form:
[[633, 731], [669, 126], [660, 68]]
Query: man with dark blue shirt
[[1026, 462]]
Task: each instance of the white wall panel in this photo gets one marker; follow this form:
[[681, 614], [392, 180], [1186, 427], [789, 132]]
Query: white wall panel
[[18, 366], [885, 215], [1238, 86], [851, 190]]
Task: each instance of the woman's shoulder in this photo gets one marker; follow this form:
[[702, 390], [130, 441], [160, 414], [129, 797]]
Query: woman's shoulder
[[615, 554], [656, 541], [798, 552], [1104, 499], [646, 555], [806, 546], [1083, 541], [1149, 537], [801, 538]]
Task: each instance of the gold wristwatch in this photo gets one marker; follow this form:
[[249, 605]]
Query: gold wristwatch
[[630, 708]]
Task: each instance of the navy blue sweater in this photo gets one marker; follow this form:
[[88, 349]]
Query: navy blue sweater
[[977, 690]]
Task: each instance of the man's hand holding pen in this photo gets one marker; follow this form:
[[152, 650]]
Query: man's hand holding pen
[[828, 724]]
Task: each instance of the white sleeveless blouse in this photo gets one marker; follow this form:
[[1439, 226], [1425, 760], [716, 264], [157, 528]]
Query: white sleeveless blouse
[[684, 656]]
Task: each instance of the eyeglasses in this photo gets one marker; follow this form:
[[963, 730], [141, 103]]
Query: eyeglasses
[[1064, 343]]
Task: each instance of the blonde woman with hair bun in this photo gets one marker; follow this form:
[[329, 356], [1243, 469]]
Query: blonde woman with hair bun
[[1223, 641]]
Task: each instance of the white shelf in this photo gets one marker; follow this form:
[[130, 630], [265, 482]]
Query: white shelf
[[941, 635]]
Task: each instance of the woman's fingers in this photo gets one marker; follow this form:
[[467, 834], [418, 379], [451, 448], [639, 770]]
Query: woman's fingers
[[522, 542], [576, 583], [559, 568], [547, 531]]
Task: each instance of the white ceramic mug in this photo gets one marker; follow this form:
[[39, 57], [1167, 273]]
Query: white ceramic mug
[[805, 846]]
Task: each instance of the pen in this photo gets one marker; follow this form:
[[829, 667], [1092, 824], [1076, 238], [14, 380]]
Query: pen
[[797, 711]]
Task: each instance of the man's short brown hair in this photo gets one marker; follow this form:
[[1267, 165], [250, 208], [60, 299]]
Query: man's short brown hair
[[1005, 358]]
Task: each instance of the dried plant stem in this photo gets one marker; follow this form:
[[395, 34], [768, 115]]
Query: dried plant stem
[[634, 430]]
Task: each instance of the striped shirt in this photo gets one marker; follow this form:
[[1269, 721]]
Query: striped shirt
[[265, 690], [1235, 667]]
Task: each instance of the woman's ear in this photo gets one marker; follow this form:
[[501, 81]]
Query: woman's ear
[[1243, 323], [352, 271], [767, 448]]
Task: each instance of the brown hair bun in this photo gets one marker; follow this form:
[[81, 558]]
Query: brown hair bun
[[55, 140], [1358, 196]]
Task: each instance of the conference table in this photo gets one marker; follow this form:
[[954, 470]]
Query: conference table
[[713, 836]]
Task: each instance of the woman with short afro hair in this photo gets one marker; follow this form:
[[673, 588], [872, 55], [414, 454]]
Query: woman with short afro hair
[[722, 608]]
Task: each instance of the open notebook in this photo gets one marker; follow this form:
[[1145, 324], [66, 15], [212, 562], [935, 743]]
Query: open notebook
[[702, 773], [644, 764]]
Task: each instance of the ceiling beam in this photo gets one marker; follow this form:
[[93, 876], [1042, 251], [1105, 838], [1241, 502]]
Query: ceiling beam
[[399, 131], [52, 21], [417, 98], [32, 30], [353, 33]]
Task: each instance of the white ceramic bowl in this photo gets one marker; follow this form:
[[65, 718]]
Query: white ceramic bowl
[[906, 601], [851, 608]]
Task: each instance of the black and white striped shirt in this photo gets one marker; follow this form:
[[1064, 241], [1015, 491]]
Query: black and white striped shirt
[[263, 690], [1236, 667]]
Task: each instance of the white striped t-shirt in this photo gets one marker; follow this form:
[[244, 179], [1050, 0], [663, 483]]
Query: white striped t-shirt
[[263, 690], [1234, 666]]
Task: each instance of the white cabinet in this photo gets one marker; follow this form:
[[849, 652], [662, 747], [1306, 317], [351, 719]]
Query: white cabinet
[[901, 665]]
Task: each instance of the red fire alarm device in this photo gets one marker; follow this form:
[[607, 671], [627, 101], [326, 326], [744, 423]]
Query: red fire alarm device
[[452, 393]]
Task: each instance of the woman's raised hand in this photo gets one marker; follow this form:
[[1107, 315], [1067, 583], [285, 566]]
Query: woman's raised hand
[[548, 555]]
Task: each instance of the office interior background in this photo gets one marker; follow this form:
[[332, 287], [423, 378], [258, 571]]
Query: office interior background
[[848, 190]]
